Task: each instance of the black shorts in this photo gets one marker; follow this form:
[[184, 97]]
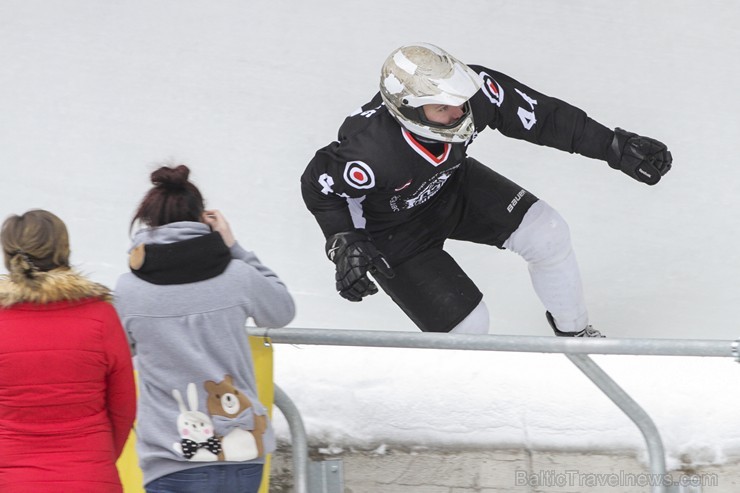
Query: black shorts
[[478, 205]]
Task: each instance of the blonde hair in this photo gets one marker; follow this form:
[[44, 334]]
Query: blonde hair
[[36, 241]]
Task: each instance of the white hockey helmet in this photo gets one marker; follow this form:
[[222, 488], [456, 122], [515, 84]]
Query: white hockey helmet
[[419, 74]]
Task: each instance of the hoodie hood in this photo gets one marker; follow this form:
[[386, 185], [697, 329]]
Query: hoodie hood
[[169, 233], [178, 253]]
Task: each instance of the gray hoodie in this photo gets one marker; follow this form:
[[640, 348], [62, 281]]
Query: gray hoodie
[[197, 392]]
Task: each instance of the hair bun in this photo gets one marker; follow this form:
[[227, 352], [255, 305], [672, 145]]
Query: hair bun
[[172, 178]]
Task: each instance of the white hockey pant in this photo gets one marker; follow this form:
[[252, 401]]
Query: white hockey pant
[[543, 240]]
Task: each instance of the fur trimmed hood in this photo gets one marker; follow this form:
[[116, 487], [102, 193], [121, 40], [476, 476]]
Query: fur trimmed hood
[[48, 287]]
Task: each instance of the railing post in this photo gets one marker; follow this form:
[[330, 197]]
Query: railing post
[[299, 441], [633, 410]]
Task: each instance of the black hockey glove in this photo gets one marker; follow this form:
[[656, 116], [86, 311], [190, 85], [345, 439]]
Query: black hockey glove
[[642, 158], [355, 255]]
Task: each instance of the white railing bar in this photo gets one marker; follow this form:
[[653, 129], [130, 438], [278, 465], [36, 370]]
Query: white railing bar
[[490, 342]]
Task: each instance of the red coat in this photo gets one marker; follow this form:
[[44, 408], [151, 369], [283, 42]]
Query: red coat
[[67, 396]]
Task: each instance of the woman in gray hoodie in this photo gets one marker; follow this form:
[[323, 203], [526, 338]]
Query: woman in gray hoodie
[[184, 305]]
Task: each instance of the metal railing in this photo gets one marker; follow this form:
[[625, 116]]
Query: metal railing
[[298, 438], [576, 349]]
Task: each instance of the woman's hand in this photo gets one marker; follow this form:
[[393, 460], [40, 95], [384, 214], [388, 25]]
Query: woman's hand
[[219, 224]]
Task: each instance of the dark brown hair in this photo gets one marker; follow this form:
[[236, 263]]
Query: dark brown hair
[[173, 198], [35, 241]]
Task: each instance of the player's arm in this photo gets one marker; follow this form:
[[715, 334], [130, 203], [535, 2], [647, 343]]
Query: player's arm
[[521, 112], [350, 248], [324, 193]]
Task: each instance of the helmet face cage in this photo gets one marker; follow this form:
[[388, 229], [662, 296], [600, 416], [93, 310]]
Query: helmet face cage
[[417, 75], [419, 115]]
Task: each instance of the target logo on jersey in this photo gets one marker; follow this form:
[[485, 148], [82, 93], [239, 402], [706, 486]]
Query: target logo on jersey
[[359, 175], [492, 89]]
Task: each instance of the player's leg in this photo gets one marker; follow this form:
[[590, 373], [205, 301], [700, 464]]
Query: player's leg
[[543, 240], [475, 323], [501, 213], [436, 294]]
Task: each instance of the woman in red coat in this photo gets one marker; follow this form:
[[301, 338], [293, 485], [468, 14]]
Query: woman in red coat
[[67, 396]]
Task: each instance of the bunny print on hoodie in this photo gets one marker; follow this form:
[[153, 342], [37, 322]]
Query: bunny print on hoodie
[[197, 439]]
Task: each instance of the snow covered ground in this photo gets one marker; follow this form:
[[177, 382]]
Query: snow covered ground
[[94, 95]]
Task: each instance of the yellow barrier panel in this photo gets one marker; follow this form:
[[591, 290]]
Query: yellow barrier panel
[[128, 464]]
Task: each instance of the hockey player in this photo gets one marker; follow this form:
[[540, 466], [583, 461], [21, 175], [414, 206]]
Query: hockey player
[[398, 182]]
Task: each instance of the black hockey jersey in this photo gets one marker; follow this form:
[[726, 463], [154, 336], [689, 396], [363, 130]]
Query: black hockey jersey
[[378, 175]]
